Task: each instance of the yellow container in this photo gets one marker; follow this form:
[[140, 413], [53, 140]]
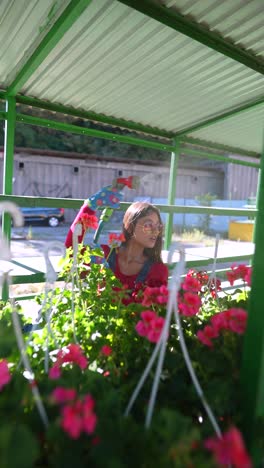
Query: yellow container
[[241, 230]]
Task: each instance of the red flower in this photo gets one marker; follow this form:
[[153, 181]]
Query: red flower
[[229, 449], [150, 326], [5, 375], [106, 350], [114, 240], [88, 221], [61, 394], [239, 272], [234, 320], [79, 417], [189, 304]]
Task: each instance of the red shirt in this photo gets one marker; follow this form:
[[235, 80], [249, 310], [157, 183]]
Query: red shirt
[[157, 275], [158, 272]]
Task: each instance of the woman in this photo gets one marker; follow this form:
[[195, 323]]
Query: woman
[[138, 260]]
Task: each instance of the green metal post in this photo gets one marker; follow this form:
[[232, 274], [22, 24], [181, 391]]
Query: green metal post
[[8, 168], [252, 372], [172, 192], [257, 198]]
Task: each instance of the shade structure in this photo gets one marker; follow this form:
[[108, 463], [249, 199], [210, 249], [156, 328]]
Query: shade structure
[[183, 70]]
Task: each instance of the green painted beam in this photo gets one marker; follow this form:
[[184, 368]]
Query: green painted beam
[[219, 146], [224, 116], [71, 13], [76, 203], [8, 166], [252, 377], [218, 157], [172, 193], [200, 33], [28, 119], [99, 118]]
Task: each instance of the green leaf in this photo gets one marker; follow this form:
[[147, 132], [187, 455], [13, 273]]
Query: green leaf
[[18, 446]]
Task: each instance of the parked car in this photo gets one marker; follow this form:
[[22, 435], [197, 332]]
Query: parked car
[[50, 216]]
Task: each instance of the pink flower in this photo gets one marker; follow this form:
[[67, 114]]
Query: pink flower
[[144, 325], [248, 275], [154, 332], [234, 320], [219, 321], [71, 354], [239, 272], [238, 320], [62, 395], [74, 353], [189, 304], [54, 372], [206, 335], [5, 375], [191, 284], [229, 449], [89, 417], [151, 326], [72, 419], [106, 350], [79, 417], [155, 295]]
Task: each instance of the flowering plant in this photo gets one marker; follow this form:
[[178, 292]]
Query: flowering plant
[[86, 361]]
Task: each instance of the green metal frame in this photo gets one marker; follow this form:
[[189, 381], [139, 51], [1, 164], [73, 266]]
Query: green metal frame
[[172, 192], [131, 140], [171, 18], [71, 13], [253, 354]]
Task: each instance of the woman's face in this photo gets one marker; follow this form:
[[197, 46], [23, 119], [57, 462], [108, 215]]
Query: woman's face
[[147, 230]]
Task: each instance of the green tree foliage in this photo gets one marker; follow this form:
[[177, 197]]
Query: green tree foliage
[[28, 136]]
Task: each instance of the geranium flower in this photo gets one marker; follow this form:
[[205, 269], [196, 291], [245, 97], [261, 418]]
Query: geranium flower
[[106, 350], [72, 419], [189, 304], [229, 449], [191, 284], [155, 331], [144, 325], [150, 326], [62, 395], [156, 295], [114, 240], [206, 335], [89, 417], [5, 375], [239, 272], [71, 354], [78, 417], [234, 320], [88, 221]]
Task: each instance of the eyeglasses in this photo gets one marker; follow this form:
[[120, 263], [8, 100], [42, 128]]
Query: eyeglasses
[[148, 227]]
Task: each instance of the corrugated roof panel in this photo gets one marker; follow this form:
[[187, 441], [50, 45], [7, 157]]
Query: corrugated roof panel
[[23, 24], [117, 61], [244, 130], [236, 20]]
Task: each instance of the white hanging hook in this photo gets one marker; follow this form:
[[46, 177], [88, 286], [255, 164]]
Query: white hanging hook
[[51, 274], [18, 221], [77, 231]]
